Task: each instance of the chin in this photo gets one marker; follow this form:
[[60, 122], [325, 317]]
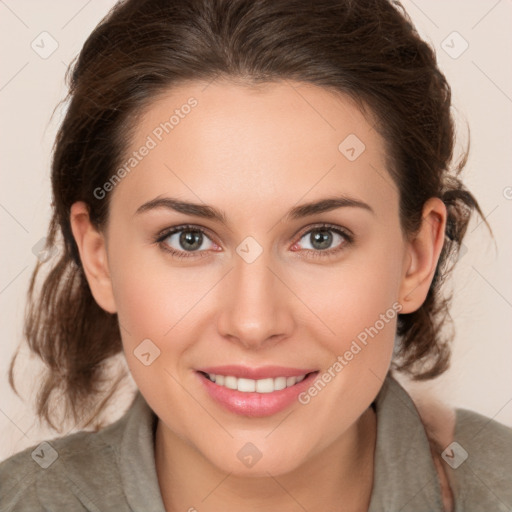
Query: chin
[[247, 460]]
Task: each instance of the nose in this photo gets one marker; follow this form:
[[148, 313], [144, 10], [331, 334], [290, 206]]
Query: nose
[[255, 307]]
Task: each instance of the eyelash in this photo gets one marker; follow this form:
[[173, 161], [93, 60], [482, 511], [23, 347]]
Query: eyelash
[[163, 235]]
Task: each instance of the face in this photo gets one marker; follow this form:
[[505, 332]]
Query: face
[[265, 289]]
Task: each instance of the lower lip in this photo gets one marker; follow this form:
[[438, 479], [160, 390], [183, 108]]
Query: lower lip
[[255, 404]]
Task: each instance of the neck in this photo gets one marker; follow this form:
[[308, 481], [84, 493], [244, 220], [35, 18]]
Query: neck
[[338, 478]]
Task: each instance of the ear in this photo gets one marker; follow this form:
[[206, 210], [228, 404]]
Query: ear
[[422, 255], [93, 254]]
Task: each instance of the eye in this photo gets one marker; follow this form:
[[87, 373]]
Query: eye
[[192, 241], [185, 241], [324, 240]]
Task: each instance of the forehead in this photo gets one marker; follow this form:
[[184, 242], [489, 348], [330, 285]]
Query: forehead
[[234, 145]]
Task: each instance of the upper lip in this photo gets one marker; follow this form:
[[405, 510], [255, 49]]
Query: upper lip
[[263, 372]]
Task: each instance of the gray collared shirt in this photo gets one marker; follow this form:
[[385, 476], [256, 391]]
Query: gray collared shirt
[[113, 470]]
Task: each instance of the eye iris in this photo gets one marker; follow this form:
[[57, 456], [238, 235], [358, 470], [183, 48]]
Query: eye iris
[[322, 238], [194, 238]]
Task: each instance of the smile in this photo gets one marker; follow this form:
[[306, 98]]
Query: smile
[[268, 385], [255, 392]]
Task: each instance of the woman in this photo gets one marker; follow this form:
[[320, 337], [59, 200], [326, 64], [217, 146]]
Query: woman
[[257, 208]]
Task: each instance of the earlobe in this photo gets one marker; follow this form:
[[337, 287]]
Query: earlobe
[[423, 252], [93, 255]]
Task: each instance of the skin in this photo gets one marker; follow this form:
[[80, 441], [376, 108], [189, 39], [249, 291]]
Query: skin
[[254, 154]]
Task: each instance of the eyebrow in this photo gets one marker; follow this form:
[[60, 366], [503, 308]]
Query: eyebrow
[[209, 212]]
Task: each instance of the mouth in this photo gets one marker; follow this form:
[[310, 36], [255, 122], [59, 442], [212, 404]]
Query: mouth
[[272, 389], [244, 385]]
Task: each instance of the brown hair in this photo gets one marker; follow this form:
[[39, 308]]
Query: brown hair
[[366, 49]]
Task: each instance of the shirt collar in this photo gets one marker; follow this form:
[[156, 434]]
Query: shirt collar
[[405, 477], [138, 469]]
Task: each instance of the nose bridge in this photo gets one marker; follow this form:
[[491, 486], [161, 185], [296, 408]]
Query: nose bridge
[[254, 307]]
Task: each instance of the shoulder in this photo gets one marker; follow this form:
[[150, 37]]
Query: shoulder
[[480, 461], [473, 455], [70, 472]]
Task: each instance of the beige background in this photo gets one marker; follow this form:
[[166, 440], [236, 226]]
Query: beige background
[[481, 77]]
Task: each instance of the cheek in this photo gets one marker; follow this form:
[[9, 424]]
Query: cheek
[[355, 296], [150, 296], [143, 306], [158, 300], [360, 306], [155, 304]]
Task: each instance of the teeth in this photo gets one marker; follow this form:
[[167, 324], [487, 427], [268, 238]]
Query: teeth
[[263, 385], [230, 382], [246, 385], [290, 381], [279, 383], [259, 386]]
